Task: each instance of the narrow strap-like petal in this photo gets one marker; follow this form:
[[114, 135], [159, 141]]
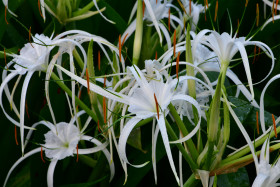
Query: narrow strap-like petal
[[51, 172], [123, 139], [37, 150]]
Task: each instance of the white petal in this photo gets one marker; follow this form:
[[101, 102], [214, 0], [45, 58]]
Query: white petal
[[162, 128], [123, 139], [95, 3], [51, 172], [37, 150]]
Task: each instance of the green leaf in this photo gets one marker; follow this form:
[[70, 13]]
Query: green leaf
[[239, 178], [242, 108]]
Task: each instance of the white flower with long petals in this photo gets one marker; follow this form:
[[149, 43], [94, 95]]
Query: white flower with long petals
[[147, 99], [155, 11], [225, 47], [33, 57], [196, 10], [267, 174], [61, 142]]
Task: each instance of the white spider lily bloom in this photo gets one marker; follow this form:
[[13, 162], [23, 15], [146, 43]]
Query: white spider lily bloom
[[147, 99], [196, 10], [207, 60], [155, 11], [225, 47], [273, 8], [33, 57], [61, 142], [267, 174]]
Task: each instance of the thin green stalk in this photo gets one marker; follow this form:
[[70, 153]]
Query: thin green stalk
[[247, 149], [84, 10], [192, 181], [187, 157], [78, 59], [77, 100], [184, 130], [240, 162]]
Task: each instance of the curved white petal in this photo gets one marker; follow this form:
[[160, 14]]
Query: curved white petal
[[262, 101], [22, 106], [123, 139], [37, 150], [51, 172], [151, 12], [162, 128], [196, 105], [95, 4]]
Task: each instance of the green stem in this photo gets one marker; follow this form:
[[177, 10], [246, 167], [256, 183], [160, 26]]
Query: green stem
[[247, 149], [78, 59], [184, 130], [187, 157], [138, 33], [240, 162], [77, 100], [192, 181], [84, 9]]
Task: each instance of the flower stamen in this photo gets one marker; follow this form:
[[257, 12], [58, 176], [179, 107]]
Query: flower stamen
[[77, 148], [156, 105], [274, 125], [246, 3], [39, 6], [255, 53], [190, 7], [120, 48], [29, 37], [98, 126], [16, 134], [6, 15], [216, 11], [156, 56], [26, 108], [124, 39], [104, 110], [275, 10], [257, 14], [42, 158], [88, 90], [169, 19], [273, 7]]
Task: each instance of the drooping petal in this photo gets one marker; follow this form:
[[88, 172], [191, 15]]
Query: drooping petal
[[123, 139], [37, 150], [104, 92], [95, 4], [162, 128], [51, 172], [22, 106], [262, 101]]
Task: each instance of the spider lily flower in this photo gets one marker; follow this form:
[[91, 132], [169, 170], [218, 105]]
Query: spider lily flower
[[267, 174], [61, 142], [207, 60], [274, 7], [155, 11], [147, 99], [196, 10], [33, 57], [225, 47]]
